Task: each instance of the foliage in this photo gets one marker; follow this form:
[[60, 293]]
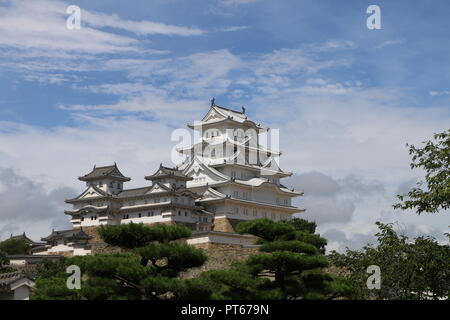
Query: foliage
[[14, 246], [48, 268], [418, 269], [433, 194], [289, 266], [4, 262], [148, 268]]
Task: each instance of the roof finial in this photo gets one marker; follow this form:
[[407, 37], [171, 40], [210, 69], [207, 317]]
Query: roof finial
[[213, 101], [243, 109]]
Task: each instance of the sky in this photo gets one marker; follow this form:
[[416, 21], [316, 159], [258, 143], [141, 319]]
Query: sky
[[345, 98]]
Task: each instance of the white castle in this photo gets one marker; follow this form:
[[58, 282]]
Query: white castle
[[227, 177]]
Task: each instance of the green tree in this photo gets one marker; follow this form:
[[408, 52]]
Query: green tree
[[148, 268], [433, 194], [418, 269], [290, 265], [14, 246], [4, 262]]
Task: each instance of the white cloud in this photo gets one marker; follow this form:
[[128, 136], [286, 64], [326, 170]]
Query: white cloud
[[236, 2], [439, 93], [390, 43], [233, 28], [138, 27], [40, 25]]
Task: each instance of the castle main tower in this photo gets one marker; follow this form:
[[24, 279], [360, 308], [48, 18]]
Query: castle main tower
[[238, 178]]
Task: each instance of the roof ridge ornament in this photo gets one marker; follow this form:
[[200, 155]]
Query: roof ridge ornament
[[213, 101]]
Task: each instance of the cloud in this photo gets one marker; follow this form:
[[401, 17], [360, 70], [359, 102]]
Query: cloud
[[233, 28], [41, 25], [138, 27], [328, 200], [24, 202], [390, 43], [236, 2], [35, 41], [439, 93]]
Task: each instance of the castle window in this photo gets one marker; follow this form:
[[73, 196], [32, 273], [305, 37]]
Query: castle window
[[236, 210], [140, 215], [246, 212], [185, 214], [286, 202], [233, 174], [179, 213], [236, 194], [82, 218], [213, 153], [255, 213], [274, 216], [245, 195], [111, 185], [264, 214]]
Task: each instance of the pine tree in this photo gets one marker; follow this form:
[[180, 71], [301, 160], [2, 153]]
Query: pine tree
[[290, 265], [14, 246], [148, 268]]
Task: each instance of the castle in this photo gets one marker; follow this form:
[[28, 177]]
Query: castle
[[225, 178]]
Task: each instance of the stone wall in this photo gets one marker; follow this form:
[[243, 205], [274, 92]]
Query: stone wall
[[226, 224], [220, 256], [92, 231]]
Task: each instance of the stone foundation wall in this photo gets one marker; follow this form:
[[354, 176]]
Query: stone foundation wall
[[220, 256], [66, 254], [226, 224], [92, 231]]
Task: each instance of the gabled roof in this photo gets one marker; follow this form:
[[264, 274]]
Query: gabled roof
[[27, 240], [11, 277], [98, 173], [166, 172], [90, 190], [224, 112], [211, 193], [87, 209], [72, 234], [197, 164], [218, 114]]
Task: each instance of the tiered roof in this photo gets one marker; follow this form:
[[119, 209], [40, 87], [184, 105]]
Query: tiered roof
[[218, 114], [72, 234], [98, 173], [166, 172]]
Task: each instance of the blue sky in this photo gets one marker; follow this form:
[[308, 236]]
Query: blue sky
[[345, 98]]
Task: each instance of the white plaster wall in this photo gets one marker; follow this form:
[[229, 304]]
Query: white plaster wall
[[81, 252], [22, 293], [224, 239]]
